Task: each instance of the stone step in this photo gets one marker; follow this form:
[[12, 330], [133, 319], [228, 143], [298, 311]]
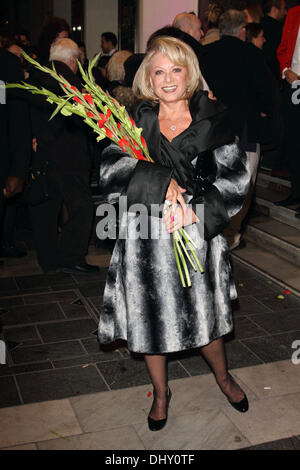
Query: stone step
[[265, 198], [266, 179], [270, 265], [279, 238]]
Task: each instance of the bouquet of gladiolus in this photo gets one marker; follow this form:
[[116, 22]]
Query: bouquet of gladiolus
[[109, 119]]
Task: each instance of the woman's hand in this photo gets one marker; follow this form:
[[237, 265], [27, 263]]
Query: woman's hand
[[174, 195], [180, 219]]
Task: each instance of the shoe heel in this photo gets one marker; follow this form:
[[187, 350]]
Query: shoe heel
[[158, 424]]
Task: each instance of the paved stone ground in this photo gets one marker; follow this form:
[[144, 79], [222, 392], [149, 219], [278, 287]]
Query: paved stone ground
[[49, 324]]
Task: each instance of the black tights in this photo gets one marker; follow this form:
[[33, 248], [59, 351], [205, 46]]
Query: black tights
[[214, 353]]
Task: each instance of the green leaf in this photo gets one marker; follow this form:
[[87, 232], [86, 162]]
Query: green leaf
[[100, 137], [58, 108], [65, 112], [139, 131], [92, 64], [83, 74]]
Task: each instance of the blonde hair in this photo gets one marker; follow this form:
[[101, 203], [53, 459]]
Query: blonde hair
[[115, 66], [180, 54], [254, 13]]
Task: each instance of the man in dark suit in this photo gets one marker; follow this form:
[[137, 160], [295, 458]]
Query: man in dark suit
[[15, 132], [190, 24], [272, 23], [288, 54], [238, 76], [61, 144]]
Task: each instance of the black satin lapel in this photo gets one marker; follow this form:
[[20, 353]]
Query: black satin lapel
[[207, 131], [146, 118], [202, 107]]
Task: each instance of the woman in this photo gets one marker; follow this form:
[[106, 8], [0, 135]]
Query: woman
[[253, 13], [144, 301], [213, 33], [116, 77], [255, 35], [54, 28]]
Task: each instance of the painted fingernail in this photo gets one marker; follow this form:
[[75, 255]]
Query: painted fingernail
[[172, 218]]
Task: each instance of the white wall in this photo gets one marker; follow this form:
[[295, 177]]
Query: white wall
[[100, 16], [154, 14]]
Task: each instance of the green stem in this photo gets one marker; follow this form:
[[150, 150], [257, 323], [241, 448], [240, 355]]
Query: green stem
[[187, 237], [182, 259], [178, 262], [189, 243], [184, 249]]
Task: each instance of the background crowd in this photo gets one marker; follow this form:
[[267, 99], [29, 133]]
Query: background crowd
[[249, 57]]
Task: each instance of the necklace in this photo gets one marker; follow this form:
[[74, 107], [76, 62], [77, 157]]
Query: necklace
[[173, 126]]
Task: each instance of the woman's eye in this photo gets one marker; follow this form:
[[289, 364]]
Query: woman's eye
[[158, 72], [177, 69]]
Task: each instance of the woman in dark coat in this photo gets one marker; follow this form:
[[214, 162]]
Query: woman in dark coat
[[144, 301]]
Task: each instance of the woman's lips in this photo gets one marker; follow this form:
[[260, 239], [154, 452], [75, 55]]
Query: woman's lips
[[169, 89]]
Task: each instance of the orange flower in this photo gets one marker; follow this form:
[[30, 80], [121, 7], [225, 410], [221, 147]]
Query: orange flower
[[109, 133], [89, 99], [121, 144], [139, 155], [103, 118]]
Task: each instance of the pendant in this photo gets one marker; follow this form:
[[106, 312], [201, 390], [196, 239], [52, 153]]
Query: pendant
[[173, 128]]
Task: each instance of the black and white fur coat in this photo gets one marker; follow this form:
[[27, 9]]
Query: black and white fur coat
[[144, 302]]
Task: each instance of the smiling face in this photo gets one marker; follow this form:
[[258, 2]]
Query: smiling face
[[168, 80]]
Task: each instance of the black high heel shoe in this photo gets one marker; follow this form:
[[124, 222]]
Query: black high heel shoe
[[241, 406], [158, 424]]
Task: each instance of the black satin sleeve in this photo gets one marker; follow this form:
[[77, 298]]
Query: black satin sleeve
[[216, 217], [148, 184]]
